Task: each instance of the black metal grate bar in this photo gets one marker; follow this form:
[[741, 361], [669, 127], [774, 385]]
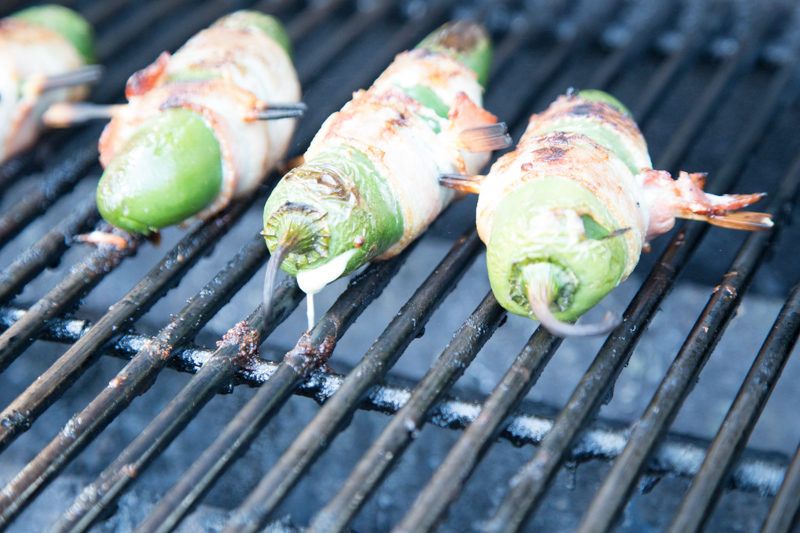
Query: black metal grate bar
[[47, 251], [99, 13], [784, 514], [448, 481], [135, 378], [376, 362], [709, 101], [306, 26], [610, 500], [587, 23], [655, 16], [52, 186], [12, 169], [676, 455], [308, 19], [755, 391], [677, 63], [391, 444], [646, 447], [111, 44], [212, 377], [355, 26], [312, 350], [21, 413], [399, 433], [445, 486], [150, 289], [82, 277], [528, 487]]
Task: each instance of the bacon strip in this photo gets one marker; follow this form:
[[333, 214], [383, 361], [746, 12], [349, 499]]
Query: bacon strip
[[28, 55], [251, 71], [385, 124]]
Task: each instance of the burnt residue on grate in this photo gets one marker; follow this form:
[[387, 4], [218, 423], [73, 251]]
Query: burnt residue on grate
[[713, 85]]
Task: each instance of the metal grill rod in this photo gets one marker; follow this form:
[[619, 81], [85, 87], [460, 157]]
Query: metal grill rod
[[735, 430], [656, 16], [695, 37], [587, 23], [47, 251], [387, 450], [135, 377], [443, 489], [282, 478], [352, 33], [98, 13], [212, 378], [19, 415], [620, 483], [312, 350], [83, 277], [528, 487], [355, 26], [376, 362], [400, 432], [189, 483], [146, 366], [677, 455], [455, 470], [784, 513], [52, 186]]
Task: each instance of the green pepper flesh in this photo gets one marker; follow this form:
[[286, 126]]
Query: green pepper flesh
[[66, 22], [169, 170], [596, 95], [343, 204], [466, 42], [581, 273], [248, 19]]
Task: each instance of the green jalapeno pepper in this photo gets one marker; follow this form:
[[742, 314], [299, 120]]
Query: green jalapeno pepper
[[171, 167], [66, 22], [338, 210], [566, 215]]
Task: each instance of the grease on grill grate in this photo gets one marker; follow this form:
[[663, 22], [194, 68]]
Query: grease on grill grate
[[712, 84]]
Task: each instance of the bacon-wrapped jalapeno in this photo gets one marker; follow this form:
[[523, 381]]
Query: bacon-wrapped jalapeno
[[42, 53], [192, 135], [368, 185], [566, 215]]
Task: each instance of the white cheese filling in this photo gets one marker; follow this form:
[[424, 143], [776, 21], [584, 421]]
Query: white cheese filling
[[313, 281]]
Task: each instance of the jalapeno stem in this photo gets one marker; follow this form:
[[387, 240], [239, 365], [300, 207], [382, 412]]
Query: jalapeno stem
[[540, 296], [286, 245]]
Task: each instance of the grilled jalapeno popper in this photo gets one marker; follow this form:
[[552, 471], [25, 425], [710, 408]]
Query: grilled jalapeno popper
[[368, 185], [44, 53], [193, 134], [566, 215]]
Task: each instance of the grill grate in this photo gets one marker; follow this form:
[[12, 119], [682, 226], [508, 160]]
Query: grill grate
[[331, 37]]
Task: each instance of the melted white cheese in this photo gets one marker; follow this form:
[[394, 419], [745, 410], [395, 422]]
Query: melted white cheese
[[310, 311], [314, 280]]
